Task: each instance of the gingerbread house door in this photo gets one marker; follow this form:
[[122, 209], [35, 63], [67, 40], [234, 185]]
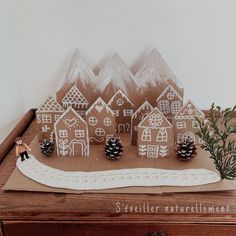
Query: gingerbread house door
[[121, 128], [77, 148]]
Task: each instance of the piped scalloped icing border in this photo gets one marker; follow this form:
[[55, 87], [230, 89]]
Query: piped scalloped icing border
[[80, 180]]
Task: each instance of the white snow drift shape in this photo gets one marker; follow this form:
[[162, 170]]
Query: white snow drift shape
[[79, 180]]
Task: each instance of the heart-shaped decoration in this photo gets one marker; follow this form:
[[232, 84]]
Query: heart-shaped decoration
[[99, 108], [70, 122]]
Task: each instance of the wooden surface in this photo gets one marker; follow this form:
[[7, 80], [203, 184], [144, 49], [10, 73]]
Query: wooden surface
[[8, 143], [29, 209]]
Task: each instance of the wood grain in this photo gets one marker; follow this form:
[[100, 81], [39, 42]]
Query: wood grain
[[107, 229], [1, 231], [20, 128], [32, 208]]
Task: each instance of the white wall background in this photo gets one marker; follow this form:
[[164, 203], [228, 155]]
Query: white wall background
[[196, 38]]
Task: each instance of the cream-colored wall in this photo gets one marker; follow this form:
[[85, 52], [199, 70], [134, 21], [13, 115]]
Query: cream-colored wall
[[197, 39]]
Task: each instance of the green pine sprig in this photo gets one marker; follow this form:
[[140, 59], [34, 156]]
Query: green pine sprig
[[216, 134]]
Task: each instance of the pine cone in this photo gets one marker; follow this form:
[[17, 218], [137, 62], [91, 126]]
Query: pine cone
[[47, 147], [186, 149], [113, 148]]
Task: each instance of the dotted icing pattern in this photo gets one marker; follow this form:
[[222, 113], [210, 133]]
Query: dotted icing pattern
[[79, 180]]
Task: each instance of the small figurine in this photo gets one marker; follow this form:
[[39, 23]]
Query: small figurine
[[21, 149]]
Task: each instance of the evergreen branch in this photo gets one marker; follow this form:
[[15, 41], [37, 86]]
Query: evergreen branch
[[216, 133]]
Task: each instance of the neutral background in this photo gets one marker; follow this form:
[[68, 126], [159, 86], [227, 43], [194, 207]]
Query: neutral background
[[197, 38]]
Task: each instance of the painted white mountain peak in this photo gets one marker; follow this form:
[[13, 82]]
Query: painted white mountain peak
[[114, 76], [80, 68], [154, 70], [80, 74]]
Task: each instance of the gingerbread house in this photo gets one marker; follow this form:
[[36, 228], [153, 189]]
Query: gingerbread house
[[170, 102], [155, 136], [75, 99], [46, 115], [137, 117], [123, 109], [185, 123], [101, 122], [71, 133]]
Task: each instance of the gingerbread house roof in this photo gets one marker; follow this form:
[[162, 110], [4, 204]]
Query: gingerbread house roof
[[168, 89], [189, 111], [71, 111], [119, 92], [99, 105], [50, 105], [145, 105], [155, 120], [74, 96]]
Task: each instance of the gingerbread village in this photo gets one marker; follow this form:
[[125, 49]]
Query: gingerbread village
[[88, 110]]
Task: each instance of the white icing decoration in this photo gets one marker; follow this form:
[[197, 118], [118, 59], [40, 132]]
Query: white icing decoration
[[80, 180]]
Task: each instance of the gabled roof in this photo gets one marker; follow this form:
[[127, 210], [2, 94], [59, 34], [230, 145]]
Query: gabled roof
[[50, 105], [169, 88], [155, 122], [100, 105], [144, 106], [123, 96], [189, 111], [73, 112], [74, 96]]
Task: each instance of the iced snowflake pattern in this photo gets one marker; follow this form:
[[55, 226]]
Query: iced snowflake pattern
[[155, 120]]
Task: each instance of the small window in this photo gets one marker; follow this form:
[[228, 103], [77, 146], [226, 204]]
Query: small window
[[107, 121], [116, 112], [176, 107], [63, 134], [146, 135], [162, 135], [195, 124], [56, 117], [46, 118], [164, 106], [128, 112], [181, 125], [120, 102], [155, 120], [79, 133], [100, 132], [170, 96], [93, 120]]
